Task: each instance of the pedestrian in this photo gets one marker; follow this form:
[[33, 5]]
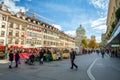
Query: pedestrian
[[72, 57], [41, 55], [17, 58], [10, 59], [102, 53]]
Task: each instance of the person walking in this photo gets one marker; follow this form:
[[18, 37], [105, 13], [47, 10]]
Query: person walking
[[10, 59], [41, 55], [72, 57], [102, 53], [17, 58]]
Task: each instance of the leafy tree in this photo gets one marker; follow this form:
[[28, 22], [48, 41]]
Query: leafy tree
[[84, 43], [92, 43], [117, 14]]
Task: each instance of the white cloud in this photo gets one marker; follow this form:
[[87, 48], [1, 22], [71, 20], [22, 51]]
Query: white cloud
[[98, 22], [12, 7], [98, 38], [101, 27], [57, 26], [71, 33], [103, 4]]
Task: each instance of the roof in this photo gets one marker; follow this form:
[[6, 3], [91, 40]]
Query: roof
[[80, 28]]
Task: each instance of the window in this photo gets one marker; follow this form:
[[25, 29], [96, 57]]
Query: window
[[17, 26], [9, 41], [22, 41], [1, 41], [17, 34], [11, 25], [2, 33], [23, 28], [16, 41], [4, 18], [10, 33], [3, 25]]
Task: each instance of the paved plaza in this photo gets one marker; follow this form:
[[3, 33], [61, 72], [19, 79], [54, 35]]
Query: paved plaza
[[91, 67]]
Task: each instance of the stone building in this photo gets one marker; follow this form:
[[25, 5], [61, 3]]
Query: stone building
[[80, 34], [21, 29]]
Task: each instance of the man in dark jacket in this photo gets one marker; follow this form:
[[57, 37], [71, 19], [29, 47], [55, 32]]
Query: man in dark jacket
[[10, 59], [17, 57], [72, 57], [41, 55]]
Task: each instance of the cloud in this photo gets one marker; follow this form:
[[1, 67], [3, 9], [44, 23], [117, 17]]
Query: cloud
[[99, 24], [71, 33], [98, 38], [101, 27], [12, 7], [102, 4], [57, 26]]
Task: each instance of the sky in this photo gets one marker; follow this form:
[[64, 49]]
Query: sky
[[67, 15]]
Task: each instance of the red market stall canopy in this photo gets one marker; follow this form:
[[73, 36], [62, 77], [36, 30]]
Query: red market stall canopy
[[23, 55], [2, 46], [15, 46]]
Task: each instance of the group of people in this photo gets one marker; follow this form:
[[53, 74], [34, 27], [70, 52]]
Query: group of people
[[11, 58], [31, 58]]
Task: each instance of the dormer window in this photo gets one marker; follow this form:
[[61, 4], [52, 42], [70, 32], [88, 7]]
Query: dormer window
[[18, 15], [34, 21], [4, 7], [29, 20], [23, 17], [44, 25], [38, 23]]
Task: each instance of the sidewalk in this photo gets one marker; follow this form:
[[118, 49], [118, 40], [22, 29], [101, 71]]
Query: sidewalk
[[3, 61]]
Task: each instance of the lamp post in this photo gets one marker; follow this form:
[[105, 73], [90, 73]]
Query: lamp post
[[6, 39]]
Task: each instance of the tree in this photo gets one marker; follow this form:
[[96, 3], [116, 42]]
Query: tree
[[117, 14], [92, 43], [84, 43]]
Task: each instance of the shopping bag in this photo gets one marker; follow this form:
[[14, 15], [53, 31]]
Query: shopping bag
[[18, 62]]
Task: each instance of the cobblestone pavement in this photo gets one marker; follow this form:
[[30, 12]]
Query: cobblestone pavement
[[103, 69]]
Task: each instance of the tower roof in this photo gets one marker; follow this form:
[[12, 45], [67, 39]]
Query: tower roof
[[80, 28]]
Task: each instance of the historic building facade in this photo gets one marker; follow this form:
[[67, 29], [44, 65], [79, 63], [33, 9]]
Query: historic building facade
[[80, 34], [21, 29]]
